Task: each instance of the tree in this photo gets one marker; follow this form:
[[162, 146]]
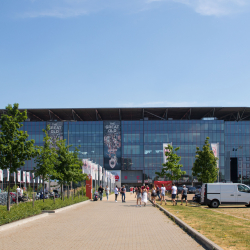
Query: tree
[[68, 166], [15, 148], [172, 168], [77, 175], [46, 159], [205, 165]]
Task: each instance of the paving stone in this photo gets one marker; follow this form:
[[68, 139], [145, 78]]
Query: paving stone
[[101, 225]]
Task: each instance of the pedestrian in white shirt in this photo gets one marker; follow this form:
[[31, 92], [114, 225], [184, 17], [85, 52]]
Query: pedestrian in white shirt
[[163, 190], [174, 192], [116, 193], [18, 190]]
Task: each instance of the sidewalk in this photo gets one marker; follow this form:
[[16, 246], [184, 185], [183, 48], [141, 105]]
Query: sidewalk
[[101, 225]]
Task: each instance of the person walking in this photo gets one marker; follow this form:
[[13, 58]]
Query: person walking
[[131, 190], [148, 193], [158, 192], [163, 190], [138, 194], [153, 194], [136, 189], [116, 193], [123, 192], [107, 192], [18, 191], [100, 191], [144, 196], [184, 194], [174, 192]]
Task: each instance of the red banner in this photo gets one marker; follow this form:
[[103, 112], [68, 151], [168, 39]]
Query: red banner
[[167, 184]]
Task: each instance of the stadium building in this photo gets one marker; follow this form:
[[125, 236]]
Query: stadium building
[[129, 141]]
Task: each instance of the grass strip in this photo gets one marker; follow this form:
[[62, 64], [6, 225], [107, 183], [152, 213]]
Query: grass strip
[[25, 210], [226, 231]]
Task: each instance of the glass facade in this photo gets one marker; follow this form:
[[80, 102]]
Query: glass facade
[[237, 145], [142, 143], [88, 136]]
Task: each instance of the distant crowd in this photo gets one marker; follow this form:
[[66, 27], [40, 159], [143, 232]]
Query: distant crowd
[[143, 194]]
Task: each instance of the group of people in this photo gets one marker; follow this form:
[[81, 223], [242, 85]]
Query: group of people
[[142, 194], [122, 190], [100, 192], [20, 191], [156, 191]]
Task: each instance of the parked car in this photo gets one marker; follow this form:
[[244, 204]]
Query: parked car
[[57, 195], [215, 194], [197, 198], [191, 190]]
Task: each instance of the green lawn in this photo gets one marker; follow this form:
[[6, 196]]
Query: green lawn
[[226, 231]]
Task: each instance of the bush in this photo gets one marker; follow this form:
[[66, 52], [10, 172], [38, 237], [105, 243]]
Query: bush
[[79, 191], [19, 212], [24, 210]]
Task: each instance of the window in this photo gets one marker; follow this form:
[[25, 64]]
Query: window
[[243, 188]]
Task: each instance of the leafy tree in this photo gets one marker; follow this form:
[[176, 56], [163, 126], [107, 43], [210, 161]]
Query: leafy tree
[[68, 166], [172, 168], [15, 148], [46, 159], [205, 165], [76, 166]]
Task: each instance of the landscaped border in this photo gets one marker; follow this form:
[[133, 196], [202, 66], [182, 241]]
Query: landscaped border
[[198, 236], [43, 214]]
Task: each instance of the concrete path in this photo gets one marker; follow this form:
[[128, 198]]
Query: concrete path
[[101, 225]]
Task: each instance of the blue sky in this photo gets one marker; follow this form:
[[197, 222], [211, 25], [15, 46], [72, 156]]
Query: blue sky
[[124, 53]]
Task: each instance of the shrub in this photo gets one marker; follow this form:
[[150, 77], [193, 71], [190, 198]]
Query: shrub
[[24, 210]]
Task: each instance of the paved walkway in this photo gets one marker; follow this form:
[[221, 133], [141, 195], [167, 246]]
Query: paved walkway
[[101, 225]]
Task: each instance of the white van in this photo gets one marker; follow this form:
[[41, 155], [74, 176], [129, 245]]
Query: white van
[[215, 194]]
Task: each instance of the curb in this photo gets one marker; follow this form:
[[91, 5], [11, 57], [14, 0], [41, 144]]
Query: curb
[[64, 208], [21, 222], [198, 236]]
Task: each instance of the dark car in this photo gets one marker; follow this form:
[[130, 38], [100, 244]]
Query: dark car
[[57, 195], [179, 190], [191, 190], [197, 198]]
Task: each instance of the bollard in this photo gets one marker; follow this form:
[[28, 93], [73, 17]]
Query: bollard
[[54, 199], [63, 195], [33, 199]]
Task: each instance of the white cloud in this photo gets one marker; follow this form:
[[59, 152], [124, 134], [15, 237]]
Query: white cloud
[[216, 7], [73, 8]]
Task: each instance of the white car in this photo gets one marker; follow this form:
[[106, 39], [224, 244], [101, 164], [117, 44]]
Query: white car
[[215, 194]]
